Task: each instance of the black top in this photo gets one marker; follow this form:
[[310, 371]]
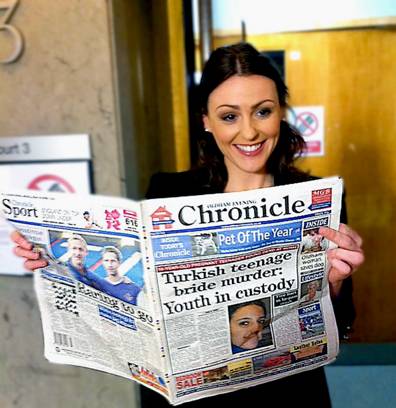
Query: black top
[[308, 388], [196, 182]]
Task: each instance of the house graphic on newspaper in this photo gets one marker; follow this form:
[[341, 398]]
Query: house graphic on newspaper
[[161, 217]]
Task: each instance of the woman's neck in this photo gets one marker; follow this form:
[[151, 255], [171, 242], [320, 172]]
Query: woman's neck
[[247, 182]]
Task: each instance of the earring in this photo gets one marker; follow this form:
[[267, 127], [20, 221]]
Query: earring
[[207, 130]]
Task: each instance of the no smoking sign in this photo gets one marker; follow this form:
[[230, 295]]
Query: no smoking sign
[[309, 121], [51, 182]]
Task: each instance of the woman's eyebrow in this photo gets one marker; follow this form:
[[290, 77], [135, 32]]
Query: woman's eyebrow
[[228, 106], [256, 105]]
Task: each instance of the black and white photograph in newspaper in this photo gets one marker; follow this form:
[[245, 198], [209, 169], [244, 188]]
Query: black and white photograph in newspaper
[[205, 244]]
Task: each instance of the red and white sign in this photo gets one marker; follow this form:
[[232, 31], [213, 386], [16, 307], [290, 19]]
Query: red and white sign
[[321, 196], [309, 121], [48, 163], [65, 177]]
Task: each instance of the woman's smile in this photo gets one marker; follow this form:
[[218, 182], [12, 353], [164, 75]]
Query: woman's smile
[[244, 116], [250, 150]]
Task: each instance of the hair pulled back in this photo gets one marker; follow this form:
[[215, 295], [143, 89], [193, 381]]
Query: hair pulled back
[[243, 59]]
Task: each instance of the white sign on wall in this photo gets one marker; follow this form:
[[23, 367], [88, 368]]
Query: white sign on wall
[[67, 177], [45, 148], [58, 163], [309, 121]]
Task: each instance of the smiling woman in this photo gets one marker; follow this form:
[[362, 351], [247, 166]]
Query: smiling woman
[[249, 145], [247, 140], [244, 115]]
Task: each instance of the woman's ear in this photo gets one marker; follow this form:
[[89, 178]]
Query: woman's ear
[[205, 121], [283, 112]]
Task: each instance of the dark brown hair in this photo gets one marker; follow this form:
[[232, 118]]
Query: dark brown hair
[[233, 308], [243, 59]]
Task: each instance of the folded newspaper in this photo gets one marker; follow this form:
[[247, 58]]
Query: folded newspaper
[[191, 297]]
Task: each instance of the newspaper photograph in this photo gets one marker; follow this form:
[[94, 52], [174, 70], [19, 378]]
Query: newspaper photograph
[[192, 297]]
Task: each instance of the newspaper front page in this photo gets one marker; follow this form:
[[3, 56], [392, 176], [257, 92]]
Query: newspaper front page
[[191, 297]]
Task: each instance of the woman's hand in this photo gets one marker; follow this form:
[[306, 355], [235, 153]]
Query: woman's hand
[[24, 249], [345, 259]]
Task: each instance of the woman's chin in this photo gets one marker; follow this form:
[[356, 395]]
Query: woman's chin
[[250, 345]]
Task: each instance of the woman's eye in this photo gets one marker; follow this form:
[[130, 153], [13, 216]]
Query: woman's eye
[[229, 117], [264, 112], [243, 323]]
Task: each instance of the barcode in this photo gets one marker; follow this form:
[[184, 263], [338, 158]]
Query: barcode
[[62, 339]]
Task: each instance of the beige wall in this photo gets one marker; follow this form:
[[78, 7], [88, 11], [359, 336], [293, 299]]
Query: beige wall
[[62, 84], [115, 70]]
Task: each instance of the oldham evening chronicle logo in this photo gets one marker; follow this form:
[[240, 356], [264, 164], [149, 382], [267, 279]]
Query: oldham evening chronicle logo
[[321, 199], [161, 218]]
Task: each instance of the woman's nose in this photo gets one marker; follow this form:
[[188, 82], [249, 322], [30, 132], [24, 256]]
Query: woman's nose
[[256, 328], [249, 132]]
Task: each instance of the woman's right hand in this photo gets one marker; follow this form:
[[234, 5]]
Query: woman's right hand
[[24, 249]]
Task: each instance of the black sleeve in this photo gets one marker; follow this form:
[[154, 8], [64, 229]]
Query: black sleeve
[[180, 184], [157, 186], [344, 308], [165, 185]]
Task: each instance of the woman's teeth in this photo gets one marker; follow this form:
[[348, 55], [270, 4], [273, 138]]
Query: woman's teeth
[[249, 148]]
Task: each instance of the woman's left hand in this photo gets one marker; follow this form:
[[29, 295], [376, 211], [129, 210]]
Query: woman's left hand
[[345, 259]]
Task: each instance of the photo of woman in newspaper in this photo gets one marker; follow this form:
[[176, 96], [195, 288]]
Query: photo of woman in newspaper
[[249, 325], [311, 291], [92, 262]]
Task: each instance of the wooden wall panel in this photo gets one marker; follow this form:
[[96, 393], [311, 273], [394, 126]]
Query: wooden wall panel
[[170, 79], [352, 73], [151, 95]]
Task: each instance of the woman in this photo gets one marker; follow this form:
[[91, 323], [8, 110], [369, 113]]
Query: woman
[[247, 323], [312, 292], [247, 144]]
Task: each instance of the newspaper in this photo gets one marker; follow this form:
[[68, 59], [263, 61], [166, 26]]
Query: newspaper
[[191, 296]]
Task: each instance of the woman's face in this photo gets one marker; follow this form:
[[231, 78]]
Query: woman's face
[[244, 116], [312, 288], [247, 324]]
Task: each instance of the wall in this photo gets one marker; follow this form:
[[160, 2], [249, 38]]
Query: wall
[[62, 84], [28, 380], [151, 89], [63, 81], [115, 70], [286, 15]]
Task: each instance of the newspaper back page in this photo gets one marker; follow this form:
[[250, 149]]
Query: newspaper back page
[[94, 295]]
